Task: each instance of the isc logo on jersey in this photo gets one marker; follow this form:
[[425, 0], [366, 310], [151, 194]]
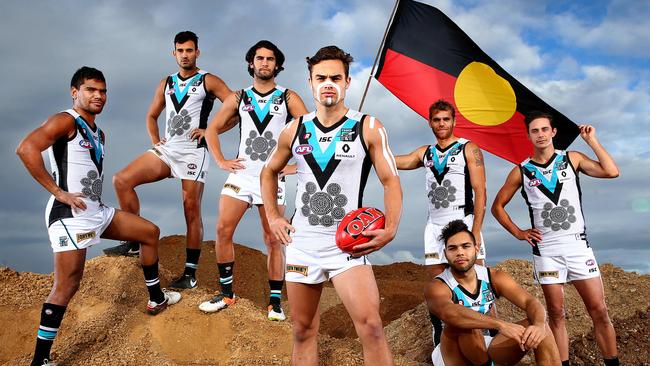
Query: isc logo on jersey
[[304, 149]]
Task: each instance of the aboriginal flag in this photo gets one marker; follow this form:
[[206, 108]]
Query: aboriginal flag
[[427, 57]]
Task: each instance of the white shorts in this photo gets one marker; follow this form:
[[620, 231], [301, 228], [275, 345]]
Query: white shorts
[[434, 249], [75, 233], [313, 267], [563, 269], [246, 187], [436, 355], [184, 163]]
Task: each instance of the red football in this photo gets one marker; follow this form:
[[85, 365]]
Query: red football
[[348, 233]]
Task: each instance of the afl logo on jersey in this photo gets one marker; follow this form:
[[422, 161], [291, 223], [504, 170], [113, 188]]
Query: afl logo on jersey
[[85, 144], [428, 163], [304, 149], [170, 91], [191, 166], [248, 107], [534, 182]]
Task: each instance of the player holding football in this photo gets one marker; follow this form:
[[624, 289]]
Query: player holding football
[[334, 148]]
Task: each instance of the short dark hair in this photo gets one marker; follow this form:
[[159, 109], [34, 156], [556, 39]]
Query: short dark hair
[[530, 117], [330, 53], [279, 56], [441, 105], [453, 228], [185, 36], [85, 73]]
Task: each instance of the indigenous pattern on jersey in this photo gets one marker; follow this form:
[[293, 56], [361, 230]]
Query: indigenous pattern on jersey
[[448, 186], [187, 106], [77, 166], [552, 193], [481, 301], [262, 118], [333, 166]]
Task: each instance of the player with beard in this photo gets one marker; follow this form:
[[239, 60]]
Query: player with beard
[[263, 109], [463, 294], [76, 217], [334, 148], [455, 186], [187, 96], [549, 184]]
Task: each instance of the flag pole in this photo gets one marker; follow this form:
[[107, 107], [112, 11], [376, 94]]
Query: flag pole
[[381, 46]]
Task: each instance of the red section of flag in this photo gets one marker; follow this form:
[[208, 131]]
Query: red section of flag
[[418, 85]]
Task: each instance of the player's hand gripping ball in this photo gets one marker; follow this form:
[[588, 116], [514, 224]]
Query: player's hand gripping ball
[[348, 233]]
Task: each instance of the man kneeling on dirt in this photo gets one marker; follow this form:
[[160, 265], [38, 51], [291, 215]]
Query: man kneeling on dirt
[[463, 294]]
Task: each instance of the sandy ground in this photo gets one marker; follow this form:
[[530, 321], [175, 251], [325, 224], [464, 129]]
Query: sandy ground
[[106, 322]]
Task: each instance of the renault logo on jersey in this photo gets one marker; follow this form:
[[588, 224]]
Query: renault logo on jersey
[[303, 149]]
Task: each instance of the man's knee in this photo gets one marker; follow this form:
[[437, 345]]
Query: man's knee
[[598, 313], [371, 327], [225, 231], [556, 314], [121, 181], [303, 332]]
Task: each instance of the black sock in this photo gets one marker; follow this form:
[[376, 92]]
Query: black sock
[[565, 363], [225, 277], [153, 283], [437, 328], [51, 316], [276, 292], [192, 261], [611, 361]]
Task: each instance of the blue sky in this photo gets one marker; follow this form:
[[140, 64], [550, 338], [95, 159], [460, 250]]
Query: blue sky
[[589, 59]]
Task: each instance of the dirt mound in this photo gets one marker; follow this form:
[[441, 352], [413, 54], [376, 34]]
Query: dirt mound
[[106, 321]]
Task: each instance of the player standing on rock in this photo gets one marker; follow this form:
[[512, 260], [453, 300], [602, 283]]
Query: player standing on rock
[[75, 216]]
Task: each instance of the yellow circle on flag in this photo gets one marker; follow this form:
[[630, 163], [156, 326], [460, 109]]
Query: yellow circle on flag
[[483, 97]]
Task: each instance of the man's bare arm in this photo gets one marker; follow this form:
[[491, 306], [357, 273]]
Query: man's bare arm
[[411, 161], [156, 107], [476, 167], [30, 148]]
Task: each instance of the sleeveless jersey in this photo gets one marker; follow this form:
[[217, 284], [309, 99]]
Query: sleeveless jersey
[[481, 301], [448, 186], [333, 166], [77, 166], [552, 193], [187, 106], [262, 118]]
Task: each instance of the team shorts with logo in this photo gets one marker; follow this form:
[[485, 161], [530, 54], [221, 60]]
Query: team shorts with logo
[[563, 269], [313, 267], [80, 232], [434, 249], [246, 187], [436, 355], [184, 163]]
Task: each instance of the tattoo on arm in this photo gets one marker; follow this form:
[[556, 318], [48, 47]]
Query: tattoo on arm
[[478, 156], [288, 95], [238, 95]]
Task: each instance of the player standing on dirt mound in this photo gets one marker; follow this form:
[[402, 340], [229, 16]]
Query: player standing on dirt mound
[[263, 109], [334, 148], [561, 253], [455, 186], [187, 97], [75, 216]]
